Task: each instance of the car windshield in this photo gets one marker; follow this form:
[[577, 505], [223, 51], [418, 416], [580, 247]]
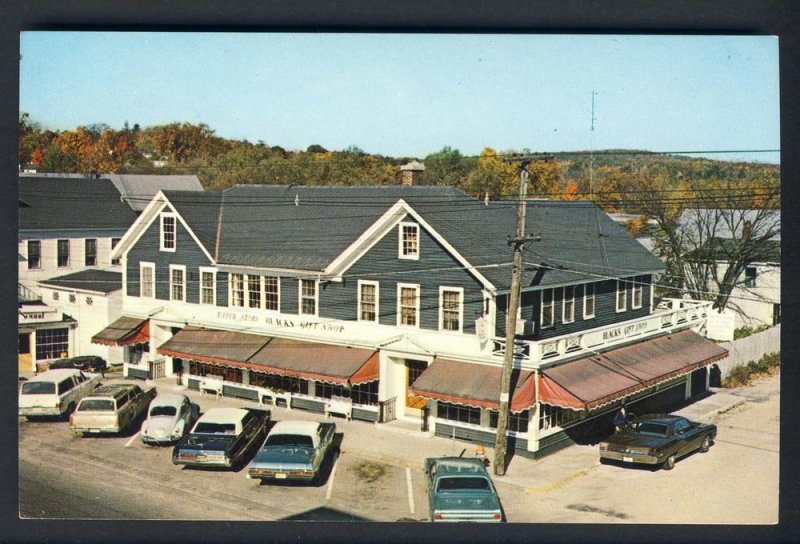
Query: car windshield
[[652, 429], [291, 440], [96, 405], [163, 411], [463, 484], [38, 388], [215, 428]]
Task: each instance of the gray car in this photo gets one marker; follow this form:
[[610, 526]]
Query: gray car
[[169, 418]]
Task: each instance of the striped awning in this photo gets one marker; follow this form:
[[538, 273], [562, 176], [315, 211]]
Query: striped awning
[[124, 332], [473, 384], [591, 382], [321, 362]]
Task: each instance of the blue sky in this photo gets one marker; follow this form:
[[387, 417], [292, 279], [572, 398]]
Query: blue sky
[[412, 94]]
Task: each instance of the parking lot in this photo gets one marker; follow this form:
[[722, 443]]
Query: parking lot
[[378, 476], [112, 477]]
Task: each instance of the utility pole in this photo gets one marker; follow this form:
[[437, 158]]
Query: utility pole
[[511, 323]]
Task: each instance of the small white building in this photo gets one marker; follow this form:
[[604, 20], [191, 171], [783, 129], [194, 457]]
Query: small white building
[[94, 299]]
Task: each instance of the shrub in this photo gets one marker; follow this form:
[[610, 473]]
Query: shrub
[[744, 374], [745, 331]]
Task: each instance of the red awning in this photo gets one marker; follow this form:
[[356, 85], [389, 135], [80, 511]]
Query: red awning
[[594, 381], [321, 362], [473, 384], [314, 361], [124, 332], [213, 346]]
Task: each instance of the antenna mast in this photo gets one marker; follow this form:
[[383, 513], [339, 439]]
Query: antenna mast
[[591, 151]]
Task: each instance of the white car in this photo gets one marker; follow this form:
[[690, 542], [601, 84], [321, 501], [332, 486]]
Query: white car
[[169, 417], [55, 392]]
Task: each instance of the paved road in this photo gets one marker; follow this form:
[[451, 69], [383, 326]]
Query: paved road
[[62, 476], [735, 483]]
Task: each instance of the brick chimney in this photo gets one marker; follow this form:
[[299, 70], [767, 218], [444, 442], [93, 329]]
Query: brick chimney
[[411, 173]]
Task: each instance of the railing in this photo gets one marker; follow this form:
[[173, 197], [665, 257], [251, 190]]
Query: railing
[[670, 315], [388, 410], [25, 294]]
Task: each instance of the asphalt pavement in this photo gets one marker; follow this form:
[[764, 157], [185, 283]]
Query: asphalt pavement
[[400, 443]]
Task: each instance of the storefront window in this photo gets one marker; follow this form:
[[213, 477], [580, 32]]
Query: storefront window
[[366, 393], [555, 416], [279, 383], [51, 343], [516, 422], [226, 373], [457, 412]]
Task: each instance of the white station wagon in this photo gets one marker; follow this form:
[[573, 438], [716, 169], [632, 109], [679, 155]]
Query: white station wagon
[[55, 392]]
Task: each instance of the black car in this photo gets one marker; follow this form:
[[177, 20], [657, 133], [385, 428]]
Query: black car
[[87, 363], [222, 437], [657, 439]]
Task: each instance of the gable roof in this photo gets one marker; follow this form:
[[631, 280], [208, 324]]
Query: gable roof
[[71, 203], [201, 212], [309, 227], [101, 281], [138, 190]]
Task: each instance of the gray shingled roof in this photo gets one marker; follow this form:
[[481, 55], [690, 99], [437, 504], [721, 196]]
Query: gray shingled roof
[[261, 226], [138, 190], [102, 281], [71, 203]]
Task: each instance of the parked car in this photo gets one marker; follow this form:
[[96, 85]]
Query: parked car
[[89, 363], [658, 439], [55, 392], [111, 408], [169, 418], [293, 450], [460, 489], [222, 437]]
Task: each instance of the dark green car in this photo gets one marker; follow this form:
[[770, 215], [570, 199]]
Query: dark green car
[[657, 440], [460, 489], [87, 363]]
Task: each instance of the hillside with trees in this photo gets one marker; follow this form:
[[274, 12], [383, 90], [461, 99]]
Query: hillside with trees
[[609, 177], [660, 188]]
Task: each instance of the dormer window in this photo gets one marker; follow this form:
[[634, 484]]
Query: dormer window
[[168, 232], [409, 241]]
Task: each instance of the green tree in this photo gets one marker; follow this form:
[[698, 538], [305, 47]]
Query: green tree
[[448, 167]]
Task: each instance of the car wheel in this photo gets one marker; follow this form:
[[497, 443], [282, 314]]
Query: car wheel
[[705, 444], [669, 464]]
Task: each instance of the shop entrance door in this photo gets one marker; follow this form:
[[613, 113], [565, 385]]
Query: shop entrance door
[[414, 370], [25, 360]]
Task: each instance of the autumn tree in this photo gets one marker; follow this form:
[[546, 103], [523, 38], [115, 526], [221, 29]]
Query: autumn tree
[[544, 178], [570, 191], [708, 233], [493, 177]]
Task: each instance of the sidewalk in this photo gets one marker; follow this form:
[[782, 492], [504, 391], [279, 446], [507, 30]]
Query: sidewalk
[[398, 443]]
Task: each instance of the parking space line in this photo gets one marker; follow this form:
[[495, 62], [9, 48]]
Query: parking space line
[[330, 480], [132, 439], [410, 491]]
